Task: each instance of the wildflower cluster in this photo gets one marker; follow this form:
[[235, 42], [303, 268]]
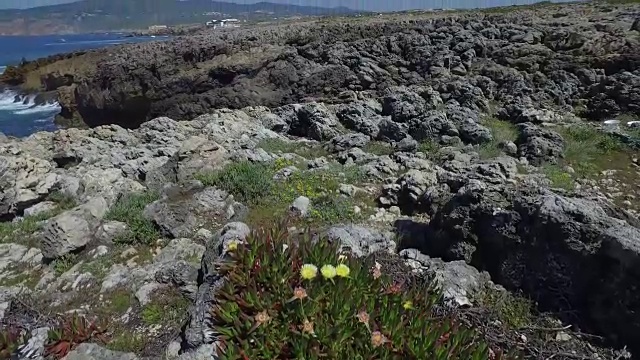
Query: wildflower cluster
[[288, 298]]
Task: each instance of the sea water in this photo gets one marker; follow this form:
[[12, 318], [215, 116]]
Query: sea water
[[19, 115]]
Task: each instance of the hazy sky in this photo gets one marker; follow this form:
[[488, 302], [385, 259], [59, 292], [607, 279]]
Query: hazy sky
[[372, 5]]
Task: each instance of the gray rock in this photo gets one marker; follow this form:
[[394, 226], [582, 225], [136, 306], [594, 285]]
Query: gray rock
[[182, 211], [318, 163], [285, 173], [348, 141], [181, 275], [360, 241], [407, 192], [73, 229], [201, 353], [300, 206], [315, 121], [458, 281], [636, 25], [40, 208], [407, 144], [34, 348], [363, 117], [145, 292], [111, 230], [87, 351], [431, 125], [553, 247], [539, 145], [391, 131]]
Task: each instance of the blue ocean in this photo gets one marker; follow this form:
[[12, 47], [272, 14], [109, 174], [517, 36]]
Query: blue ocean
[[19, 116]]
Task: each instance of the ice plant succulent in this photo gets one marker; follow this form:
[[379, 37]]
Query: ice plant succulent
[[342, 270], [308, 271], [278, 311], [328, 271]]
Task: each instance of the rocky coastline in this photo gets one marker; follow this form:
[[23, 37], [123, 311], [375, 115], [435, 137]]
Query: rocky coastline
[[496, 152]]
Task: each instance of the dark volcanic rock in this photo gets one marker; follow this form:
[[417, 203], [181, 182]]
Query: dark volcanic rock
[[572, 255], [414, 66]]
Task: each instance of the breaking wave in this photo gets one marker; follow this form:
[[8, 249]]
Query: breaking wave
[[24, 105]]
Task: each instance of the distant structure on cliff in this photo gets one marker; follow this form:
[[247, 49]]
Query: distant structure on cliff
[[158, 29], [226, 23]]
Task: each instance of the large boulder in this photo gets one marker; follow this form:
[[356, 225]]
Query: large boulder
[[182, 210], [573, 255], [73, 229]]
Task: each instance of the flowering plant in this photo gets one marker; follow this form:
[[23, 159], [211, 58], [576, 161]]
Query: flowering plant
[[311, 302]]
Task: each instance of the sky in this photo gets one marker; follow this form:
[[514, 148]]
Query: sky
[[371, 5]]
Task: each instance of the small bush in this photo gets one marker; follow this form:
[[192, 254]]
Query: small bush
[[288, 299], [246, 180], [71, 332], [129, 209], [588, 150], [558, 177], [429, 148], [270, 199], [64, 202], [513, 311], [10, 341], [168, 307], [62, 264], [378, 148], [126, 341], [502, 131]]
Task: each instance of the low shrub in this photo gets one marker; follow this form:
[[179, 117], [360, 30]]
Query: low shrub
[[501, 131], [254, 184], [129, 210], [247, 181], [291, 298]]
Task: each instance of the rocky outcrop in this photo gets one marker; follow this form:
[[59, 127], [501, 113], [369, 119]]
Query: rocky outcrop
[[503, 60], [568, 253]]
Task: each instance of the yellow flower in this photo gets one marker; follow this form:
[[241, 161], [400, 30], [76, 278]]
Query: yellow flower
[[308, 271], [342, 270], [328, 271], [233, 246], [408, 305]]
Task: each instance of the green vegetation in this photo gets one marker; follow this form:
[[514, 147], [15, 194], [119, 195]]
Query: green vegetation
[[502, 131], [291, 305], [64, 202], [20, 276], [64, 263], [514, 311], [253, 184], [378, 148], [127, 341], [168, 307], [21, 231], [429, 148], [129, 209], [11, 338], [71, 331], [588, 151], [116, 302]]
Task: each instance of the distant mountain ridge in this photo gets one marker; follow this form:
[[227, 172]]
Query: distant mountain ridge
[[104, 15]]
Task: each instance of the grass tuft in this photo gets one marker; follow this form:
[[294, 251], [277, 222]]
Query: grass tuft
[[502, 131], [129, 210], [269, 199]]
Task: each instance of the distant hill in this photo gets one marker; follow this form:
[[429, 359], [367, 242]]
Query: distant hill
[[103, 15]]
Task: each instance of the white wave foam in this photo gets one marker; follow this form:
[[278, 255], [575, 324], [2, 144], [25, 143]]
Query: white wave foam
[[25, 106], [45, 108], [87, 42], [2, 69]]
